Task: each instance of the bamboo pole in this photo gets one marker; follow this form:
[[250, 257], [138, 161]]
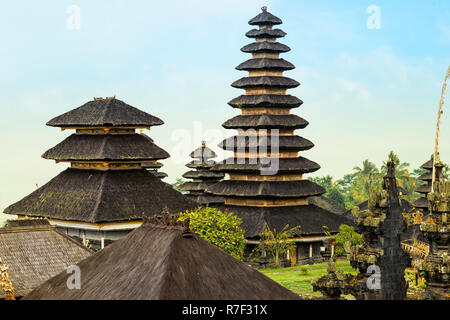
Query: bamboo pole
[[436, 146]]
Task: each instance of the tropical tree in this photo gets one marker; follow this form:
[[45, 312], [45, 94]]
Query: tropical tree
[[333, 189], [346, 234], [178, 183]]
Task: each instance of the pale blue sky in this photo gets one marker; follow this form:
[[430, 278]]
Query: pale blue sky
[[365, 91]]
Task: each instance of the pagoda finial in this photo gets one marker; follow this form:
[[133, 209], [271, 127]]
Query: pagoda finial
[[264, 9]]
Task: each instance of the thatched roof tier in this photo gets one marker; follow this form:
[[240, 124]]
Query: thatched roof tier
[[265, 100], [196, 164], [421, 203], [285, 165], [252, 143], [427, 176], [195, 186], [159, 174], [266, 189], [327, 204], [265, 64], [35, 252], [310, 218], [163, 263], [266, 121], [96, 196], [265, 46], [428, 165], [265, 18], [205, 198], [151, 165], [106, 147], [424, 188], [105, 113], [265, 33], [265, 82], [203, 174], [203, 152]]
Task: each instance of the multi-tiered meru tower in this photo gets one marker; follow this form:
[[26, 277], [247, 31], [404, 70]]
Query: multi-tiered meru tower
[[425, 188], [105, 192], [202, 176], [266, 186]]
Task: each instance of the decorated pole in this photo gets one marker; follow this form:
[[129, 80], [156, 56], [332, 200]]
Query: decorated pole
[[441, 105]]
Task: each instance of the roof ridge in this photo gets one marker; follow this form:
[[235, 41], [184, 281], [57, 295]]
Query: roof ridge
[[165, 283], [106, 109], [99, 198], [27, 228]]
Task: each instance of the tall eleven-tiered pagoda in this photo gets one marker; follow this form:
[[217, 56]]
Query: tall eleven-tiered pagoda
[[105, 191], [266, 186]]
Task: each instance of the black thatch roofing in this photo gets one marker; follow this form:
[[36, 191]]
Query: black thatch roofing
[[27, 223], [151, 165], [266, 121], [157, 262], [205, 199], [195, 186], [285, 165], [427, 176], [424, 188], [159, 174], [266, 100], [327, 204], [265, 64], [266, 189], [265, 33], [203, 174], [101, 196], [265, 82], [106, 147], [429, 164], [203, 152], [421, 203], [197, 164], [35, 253], [265, 46], [252, 143], [265, 18], [105, 112], [310, 218]]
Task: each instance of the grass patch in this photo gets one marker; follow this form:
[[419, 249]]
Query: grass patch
[[298, 278]]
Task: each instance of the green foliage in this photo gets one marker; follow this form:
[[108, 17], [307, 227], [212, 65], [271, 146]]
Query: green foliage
[[304, 270], [219, 228], [354, 188], [346, 234], [277, 244], [178, 183]]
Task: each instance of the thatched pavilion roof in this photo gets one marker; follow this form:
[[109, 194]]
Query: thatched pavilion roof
[[34, 252], [265, 100], [265, 33], [246, 143], [265, 64], [163, 261], [105, 112]]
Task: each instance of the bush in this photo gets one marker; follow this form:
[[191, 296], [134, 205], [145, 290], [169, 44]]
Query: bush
[[219, 228], [346, 234]]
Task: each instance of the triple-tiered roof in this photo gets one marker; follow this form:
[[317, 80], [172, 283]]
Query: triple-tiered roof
[[202, 176], [425, 188], [105, 181], [260, 195]]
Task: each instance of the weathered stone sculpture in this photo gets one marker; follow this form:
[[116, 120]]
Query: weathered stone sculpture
[[435, 267], [380, 260]]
